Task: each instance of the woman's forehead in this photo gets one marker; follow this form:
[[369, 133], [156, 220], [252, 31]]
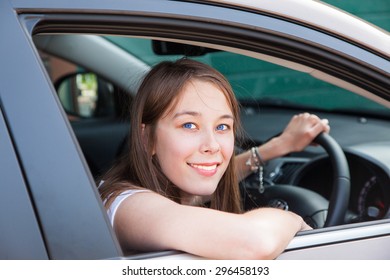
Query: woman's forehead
[[202, 95]]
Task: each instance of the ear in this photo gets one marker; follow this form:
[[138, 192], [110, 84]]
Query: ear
[[145, 136], [144, 133]]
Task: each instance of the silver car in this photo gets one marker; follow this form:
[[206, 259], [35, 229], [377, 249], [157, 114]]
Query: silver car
[[67, 68]]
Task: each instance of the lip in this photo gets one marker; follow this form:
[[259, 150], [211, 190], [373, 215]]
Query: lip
[[205, 169]]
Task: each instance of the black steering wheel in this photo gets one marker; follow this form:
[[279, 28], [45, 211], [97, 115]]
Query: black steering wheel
[[314, 208]]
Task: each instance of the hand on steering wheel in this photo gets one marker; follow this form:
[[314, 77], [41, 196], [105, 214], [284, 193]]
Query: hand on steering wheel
[[309, 204]]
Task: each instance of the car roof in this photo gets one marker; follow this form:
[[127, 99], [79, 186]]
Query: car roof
[[321, 16], [316, 14]]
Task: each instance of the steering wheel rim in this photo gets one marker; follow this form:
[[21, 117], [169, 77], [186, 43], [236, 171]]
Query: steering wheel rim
[[313, 207], [338, 203]]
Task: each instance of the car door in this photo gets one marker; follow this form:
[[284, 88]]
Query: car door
[[68, 210], [20, 236]]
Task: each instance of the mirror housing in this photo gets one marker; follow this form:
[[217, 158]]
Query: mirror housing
[[84, 95]]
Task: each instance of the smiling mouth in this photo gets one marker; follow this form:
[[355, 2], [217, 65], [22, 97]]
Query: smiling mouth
[[204, 167]]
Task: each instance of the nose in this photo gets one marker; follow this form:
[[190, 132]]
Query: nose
[[210, 143]]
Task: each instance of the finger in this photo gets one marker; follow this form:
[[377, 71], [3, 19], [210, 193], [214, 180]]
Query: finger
[[321, 126], [325, 122]]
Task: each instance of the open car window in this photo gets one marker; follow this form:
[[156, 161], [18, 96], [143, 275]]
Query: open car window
[[270, 90]]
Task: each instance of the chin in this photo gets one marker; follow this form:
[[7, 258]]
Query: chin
[[207, 192]]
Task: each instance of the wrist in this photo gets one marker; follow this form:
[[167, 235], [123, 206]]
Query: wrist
[[255, 160], [274, 148]]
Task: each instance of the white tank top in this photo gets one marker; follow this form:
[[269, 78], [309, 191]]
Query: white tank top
[[111, 211]]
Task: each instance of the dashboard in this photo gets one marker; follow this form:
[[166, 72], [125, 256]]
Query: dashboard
[[370, 185]]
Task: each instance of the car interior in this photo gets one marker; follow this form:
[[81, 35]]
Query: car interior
[[96, 82]]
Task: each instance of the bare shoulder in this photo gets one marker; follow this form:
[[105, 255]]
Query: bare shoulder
[[142, 218], [144, 200]]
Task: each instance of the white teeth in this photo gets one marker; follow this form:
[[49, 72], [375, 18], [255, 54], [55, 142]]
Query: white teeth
[[204, 167]]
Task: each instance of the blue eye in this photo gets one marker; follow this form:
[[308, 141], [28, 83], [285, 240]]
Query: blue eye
[[222, 127], [189, 125]]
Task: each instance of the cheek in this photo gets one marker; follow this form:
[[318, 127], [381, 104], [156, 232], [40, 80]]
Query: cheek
[[227, 147], [171, 148]]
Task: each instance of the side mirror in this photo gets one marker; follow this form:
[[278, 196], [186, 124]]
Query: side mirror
[[84, 95]]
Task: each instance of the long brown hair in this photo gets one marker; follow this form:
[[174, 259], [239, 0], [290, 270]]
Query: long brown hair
[[156, 96]]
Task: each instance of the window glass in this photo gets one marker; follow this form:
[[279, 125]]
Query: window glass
[[254, 80]]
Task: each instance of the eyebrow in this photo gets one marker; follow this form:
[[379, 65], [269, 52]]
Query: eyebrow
[[195, 114]]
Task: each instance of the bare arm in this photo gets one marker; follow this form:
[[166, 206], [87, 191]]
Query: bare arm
[[148, 221], [299, 133]]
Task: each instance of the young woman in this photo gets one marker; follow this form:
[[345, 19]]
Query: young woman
[[184, 122]]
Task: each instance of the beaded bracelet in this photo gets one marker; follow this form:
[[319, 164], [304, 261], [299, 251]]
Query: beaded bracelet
[[256, 163]]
